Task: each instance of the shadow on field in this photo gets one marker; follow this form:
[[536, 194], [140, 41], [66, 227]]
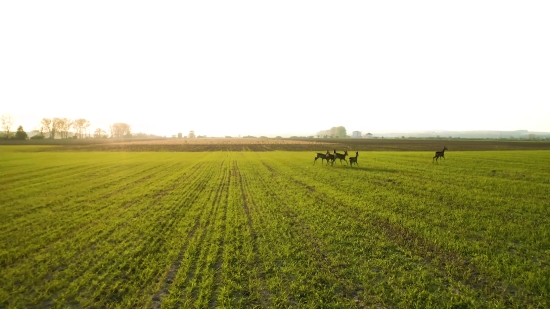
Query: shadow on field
[[370, 169]]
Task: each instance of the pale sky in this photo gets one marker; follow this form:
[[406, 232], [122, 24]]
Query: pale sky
[[277, 67]]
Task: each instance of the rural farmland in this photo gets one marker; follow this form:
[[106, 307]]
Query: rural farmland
[[80, 227]]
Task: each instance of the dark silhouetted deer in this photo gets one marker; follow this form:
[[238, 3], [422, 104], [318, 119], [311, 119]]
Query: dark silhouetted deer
[[354, 159], [439, 154], [341, 156], [322, 156], [331, 158]]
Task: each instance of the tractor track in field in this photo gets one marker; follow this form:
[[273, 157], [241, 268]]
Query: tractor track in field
[[165, 228], [172, 271], [209, 230], [157, 197], [98, 238], [68, 174], [463, 269], [107, 233], [43, 172], [106, 185], [265, 295], [349, 287], [175, 266], [221, 247], [466, 271], [80, 227], [192, 272]]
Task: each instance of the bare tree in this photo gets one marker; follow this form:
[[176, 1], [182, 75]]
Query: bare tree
[[57, 127], [47, 126], [67, 125], [80, 126], [120, 129], [99, 133], [85, 127], [77, 125], [7, 123], [63, 125]]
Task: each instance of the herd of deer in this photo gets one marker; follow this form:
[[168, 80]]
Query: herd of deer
[[331, 157]]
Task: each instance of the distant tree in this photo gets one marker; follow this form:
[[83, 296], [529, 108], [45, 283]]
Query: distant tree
[[333, 132], [141, 135], [85, 127], [80, 126], [338, 131], [21, 134], [46, 125], [57, 127], [191, 134], [278, 136], [64, 125], [97, 133], [323, 133], [7, 123], [119, 130]]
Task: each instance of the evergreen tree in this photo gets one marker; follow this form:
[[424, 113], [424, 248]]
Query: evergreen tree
[[21, 134]]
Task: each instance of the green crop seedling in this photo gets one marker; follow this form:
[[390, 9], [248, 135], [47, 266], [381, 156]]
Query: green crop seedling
[[269, 229]]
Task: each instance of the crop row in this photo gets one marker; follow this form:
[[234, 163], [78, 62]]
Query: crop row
[[247, 229]]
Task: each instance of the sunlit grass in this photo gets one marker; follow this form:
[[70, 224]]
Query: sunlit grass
[[270, 229]]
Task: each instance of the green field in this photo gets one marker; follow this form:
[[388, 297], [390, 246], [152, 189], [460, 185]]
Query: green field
[[270, 229]]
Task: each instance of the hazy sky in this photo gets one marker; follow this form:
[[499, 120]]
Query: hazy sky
[[276, 67]]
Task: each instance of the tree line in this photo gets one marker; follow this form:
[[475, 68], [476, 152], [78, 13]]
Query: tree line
[[62, 126], [334, 132], [56, 127]]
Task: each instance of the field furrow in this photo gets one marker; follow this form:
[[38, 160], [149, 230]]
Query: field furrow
[[271, 230]]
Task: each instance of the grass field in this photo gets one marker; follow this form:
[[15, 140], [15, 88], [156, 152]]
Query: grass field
[[270, 229]]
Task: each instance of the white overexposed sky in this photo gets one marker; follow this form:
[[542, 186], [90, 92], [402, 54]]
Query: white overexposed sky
[[277, 67]]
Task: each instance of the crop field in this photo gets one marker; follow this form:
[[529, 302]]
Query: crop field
[[270, 229], [275, 144]]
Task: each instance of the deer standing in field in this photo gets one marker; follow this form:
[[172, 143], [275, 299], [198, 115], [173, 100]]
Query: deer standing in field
[[341, 156], [439, 154], [322, 156], [331, 158], [354, 159]]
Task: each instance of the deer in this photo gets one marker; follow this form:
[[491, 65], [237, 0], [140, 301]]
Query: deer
[[439, 154], [354, 159], [322, 156], [340, 156], [331, 158]]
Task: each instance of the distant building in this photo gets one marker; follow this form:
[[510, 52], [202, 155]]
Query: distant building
[[368, 135], [356, 134], [33, 133]]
